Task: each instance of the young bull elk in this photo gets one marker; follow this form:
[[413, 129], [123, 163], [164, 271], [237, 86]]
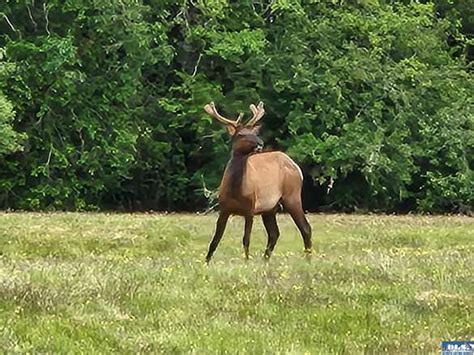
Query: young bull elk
[[256, 182]]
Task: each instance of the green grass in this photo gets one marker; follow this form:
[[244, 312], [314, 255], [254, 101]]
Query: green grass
[[103, 283]]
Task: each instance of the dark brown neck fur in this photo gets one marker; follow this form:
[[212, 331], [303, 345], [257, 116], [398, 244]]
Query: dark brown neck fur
[[236, 166]]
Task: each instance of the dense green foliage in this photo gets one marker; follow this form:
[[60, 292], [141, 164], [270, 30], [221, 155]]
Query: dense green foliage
[[101, 101], [8, 136], [96, 283]]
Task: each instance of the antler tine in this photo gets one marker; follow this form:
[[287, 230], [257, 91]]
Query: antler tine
[[239, 118], [258, 113], [211, 110]]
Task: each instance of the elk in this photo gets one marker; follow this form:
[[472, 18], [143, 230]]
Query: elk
[[256, 182]]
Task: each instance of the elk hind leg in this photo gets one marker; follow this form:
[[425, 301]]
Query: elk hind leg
[[296, 212], [271, 226], [220, 227]]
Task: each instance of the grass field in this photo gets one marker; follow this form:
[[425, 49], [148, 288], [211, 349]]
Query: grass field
[[138, 283]]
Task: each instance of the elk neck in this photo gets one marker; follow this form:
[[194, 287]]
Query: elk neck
[[237, 165]]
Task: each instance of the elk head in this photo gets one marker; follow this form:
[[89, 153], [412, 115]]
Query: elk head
[[245, 139]]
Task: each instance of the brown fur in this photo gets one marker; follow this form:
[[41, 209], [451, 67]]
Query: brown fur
[[236, 171], [255, 183]]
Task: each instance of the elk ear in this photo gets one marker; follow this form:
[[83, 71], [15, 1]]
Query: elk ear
[[231, 130]]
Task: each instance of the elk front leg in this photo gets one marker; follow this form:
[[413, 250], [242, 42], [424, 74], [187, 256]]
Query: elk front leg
[[247, 231], [220, 227]]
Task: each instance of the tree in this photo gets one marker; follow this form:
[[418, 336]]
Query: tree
[[109, 98]]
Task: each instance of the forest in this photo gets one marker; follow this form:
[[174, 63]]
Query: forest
[[101, 101]]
